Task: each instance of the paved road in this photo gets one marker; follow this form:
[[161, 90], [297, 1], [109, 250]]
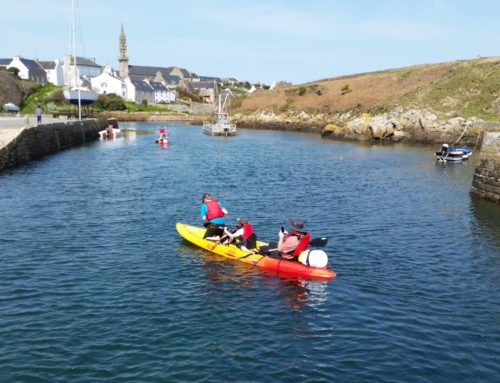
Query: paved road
[[11, 127]]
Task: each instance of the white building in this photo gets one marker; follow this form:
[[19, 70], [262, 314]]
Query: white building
[[84, 66], [161, 91], [29, 69], [54, 70], [108, 82], [151, 91]]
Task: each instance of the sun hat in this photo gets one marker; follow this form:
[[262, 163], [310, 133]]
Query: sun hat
[[297, 225]]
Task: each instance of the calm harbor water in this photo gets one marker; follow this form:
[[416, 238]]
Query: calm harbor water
[[96, 285]]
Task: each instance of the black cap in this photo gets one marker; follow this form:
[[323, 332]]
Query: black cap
[[297, 225]]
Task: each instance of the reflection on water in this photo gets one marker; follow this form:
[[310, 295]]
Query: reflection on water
[[487, 218], [296, 293]]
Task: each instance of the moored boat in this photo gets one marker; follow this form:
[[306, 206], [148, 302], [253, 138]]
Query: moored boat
[[76, 94], [195, 234], [453, 154], [222, 125], [80, 96], [109, 133]]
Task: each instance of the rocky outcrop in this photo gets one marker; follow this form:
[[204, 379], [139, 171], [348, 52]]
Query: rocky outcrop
[[153, 117], [398, 125], [486, 181], [10, 91], [291, 121], [36, 142]]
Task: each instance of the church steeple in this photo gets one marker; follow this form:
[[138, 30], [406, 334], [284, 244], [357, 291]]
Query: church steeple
[[123, 59]]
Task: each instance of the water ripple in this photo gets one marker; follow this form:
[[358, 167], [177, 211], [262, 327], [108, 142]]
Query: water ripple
[[96, 285]]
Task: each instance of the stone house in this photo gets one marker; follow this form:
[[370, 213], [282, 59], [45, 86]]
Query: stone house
[[139, 90], [206, 89]]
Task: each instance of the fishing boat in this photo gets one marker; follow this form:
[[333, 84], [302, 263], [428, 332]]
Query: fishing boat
[[77, 94], [222, 125], [195, 234], [448, 153]]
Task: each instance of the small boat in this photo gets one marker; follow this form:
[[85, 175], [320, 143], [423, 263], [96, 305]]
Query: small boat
[[109, 133], [76, 94], [453, 154], [222, 125], [195, 234], [163, 141]]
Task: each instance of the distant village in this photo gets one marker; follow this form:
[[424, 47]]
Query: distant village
[[135, 83]]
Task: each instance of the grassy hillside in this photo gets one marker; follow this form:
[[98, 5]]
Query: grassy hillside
[[461, 88]]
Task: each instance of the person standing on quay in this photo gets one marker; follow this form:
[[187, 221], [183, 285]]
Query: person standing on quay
[[38, 114]]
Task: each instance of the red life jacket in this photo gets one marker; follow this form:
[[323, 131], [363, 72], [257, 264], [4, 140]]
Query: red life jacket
[[247, 230], [213, 210], [302, 245]]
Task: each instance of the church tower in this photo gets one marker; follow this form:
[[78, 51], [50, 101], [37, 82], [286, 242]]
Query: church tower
[[123, 60]]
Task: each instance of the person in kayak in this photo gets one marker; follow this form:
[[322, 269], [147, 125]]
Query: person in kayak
[[242, 235], [292, 243], [213, 212], [163, 135]]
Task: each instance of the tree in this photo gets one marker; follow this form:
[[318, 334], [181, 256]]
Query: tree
[[14, 71]]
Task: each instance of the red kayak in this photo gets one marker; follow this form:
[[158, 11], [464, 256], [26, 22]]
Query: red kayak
[[195, 234]]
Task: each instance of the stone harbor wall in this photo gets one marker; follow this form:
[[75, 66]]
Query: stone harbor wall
[[36, 142], [486, 181]]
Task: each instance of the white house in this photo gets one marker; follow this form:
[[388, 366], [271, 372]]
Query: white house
[[108, 82], [84, 66], [29, 69], [139, 90], [162, 92], [54, 70]]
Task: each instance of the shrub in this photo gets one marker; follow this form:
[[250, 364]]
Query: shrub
[[345, 89], [301, 90], [110, 102], [57, 97], [186, 95], [14, 71]]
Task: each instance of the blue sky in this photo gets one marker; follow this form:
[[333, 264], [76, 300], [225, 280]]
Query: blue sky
[[292, 40]]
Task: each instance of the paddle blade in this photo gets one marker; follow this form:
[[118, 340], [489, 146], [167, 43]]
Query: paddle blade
[[318, 242]]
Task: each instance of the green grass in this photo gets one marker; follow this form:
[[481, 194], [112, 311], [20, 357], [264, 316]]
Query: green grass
[[43, 96], [133, 107], [473, 85]]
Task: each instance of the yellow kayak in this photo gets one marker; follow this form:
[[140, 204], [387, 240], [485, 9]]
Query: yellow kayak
[[195, 234]]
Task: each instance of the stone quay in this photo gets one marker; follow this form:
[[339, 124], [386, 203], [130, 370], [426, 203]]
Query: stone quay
[[22, 141], [486, 181]]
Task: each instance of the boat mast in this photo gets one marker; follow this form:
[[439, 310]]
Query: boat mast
[[73, 43]]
